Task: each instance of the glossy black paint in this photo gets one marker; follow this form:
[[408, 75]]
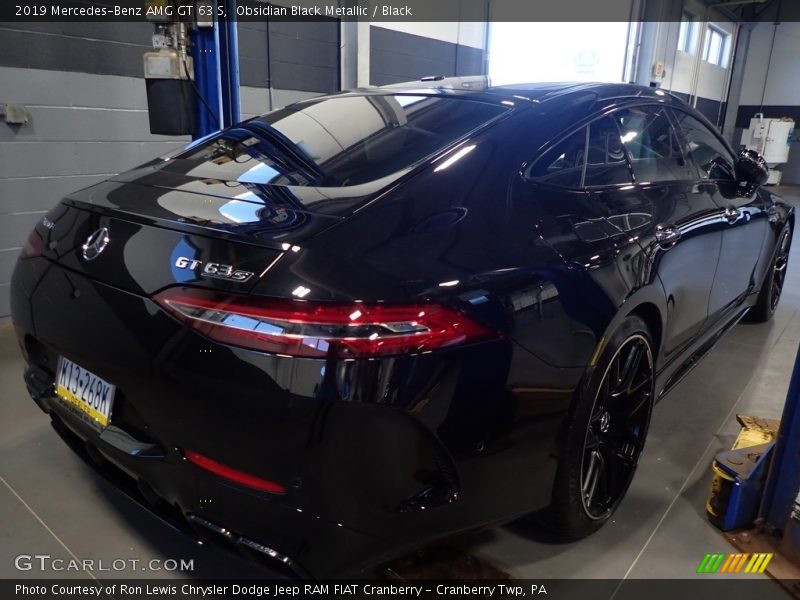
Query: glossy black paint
[[470, 433]]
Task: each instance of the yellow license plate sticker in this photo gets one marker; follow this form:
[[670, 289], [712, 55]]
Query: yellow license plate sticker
[[84, 391]]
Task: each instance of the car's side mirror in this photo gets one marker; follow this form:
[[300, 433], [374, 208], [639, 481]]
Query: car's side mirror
[[751, 168]]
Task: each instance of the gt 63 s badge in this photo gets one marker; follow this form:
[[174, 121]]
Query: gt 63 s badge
[[212, 269]]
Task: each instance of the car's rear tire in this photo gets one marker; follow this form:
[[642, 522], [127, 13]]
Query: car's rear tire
[[604, 435], [772, 286]]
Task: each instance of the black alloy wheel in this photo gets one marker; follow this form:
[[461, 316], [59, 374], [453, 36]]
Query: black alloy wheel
[[604, 434], [617, 427], [779, 266], [772, 287]]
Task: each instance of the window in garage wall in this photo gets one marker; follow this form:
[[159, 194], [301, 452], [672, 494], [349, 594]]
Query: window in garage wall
[[536, 52], [687, 35], [717, 47]]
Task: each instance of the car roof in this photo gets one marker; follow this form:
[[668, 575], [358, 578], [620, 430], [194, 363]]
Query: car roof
[[542, 92], [554, 106], [479, 88]]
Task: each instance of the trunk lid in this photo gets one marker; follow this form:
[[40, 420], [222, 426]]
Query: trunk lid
[[165, 228]]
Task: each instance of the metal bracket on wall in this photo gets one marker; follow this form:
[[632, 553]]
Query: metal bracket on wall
[[14, 114]]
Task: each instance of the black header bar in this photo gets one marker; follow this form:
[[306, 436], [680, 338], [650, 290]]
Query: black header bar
[[377, 11]]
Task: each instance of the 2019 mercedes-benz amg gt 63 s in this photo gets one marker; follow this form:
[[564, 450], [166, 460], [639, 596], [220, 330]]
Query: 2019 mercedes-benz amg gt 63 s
[[356, 325]]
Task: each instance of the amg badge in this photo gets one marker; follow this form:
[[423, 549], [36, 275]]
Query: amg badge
[[215, 270]]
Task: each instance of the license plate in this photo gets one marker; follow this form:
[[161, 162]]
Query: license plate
[[85, 391]]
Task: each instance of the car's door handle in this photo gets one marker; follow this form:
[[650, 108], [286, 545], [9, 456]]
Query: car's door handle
[[732, 214], [667, 235]]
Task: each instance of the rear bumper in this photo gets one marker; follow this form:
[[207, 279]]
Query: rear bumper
[[208, 509], [378, 457]]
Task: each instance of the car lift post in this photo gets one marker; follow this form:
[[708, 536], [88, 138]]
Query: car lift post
[[758, 482], [216, 68], [780, 508]]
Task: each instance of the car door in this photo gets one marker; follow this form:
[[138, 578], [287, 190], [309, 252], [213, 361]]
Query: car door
[[681, 232], [742, 212]]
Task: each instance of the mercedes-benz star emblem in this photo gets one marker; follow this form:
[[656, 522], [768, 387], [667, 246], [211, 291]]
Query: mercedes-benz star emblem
[[95, 244]]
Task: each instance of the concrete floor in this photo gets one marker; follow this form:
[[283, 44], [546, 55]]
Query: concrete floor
[[52, 503]]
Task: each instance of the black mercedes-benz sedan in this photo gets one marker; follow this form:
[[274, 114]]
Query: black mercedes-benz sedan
[[358, 324]]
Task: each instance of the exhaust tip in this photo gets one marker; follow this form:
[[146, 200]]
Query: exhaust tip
[[254, 552]]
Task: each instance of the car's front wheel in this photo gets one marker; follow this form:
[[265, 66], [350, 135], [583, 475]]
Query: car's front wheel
[[605, 434], [771, 288]]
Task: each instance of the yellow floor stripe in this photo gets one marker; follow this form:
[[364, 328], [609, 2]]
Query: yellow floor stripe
[[765, 563], [751, 563], [757, 564]]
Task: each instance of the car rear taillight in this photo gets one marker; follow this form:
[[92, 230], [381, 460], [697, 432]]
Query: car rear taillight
[[303, 328], [34, 246]]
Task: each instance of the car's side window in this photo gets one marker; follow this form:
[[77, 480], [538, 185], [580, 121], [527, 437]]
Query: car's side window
[[562, 165], [605, 156], [652, 145], [705, 150]]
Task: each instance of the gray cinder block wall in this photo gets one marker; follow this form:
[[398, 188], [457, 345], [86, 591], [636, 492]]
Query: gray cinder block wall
[[397, 56], [297, 60], [80, 83]]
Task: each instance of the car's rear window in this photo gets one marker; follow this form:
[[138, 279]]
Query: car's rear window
[[338, 141]]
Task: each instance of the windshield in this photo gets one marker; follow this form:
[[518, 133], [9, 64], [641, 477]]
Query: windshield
[[334, 142]]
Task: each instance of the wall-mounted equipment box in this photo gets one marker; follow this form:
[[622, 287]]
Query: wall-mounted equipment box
[[771, 138], [170, 95]]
